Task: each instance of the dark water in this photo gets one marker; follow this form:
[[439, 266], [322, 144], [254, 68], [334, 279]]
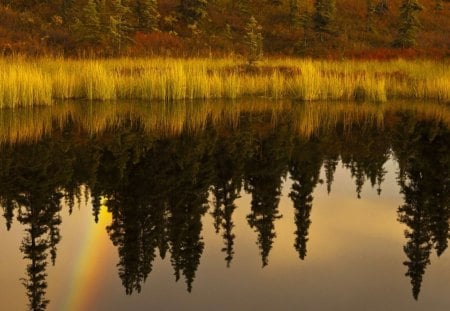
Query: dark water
[[225, 206]]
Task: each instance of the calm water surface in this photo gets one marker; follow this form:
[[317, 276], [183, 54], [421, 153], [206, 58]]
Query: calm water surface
[[225, 206]]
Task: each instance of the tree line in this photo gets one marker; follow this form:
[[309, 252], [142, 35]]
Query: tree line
[[111, 27]]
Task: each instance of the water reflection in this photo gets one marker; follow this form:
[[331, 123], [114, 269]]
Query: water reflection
[[156, 168]]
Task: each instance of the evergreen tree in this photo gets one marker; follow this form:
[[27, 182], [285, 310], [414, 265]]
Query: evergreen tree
[[409, 24], [294, 13], [87, 26], [370, 15], [323, 17], [193, 11], [439, 5], [382, 7], [146, 12], [254, 40], [242, 6], [119, 25], [305, 24], [66, 8]]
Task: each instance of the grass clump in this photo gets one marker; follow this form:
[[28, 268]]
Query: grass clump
[[22, 84]]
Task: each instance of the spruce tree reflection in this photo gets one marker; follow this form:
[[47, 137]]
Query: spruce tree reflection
[[330, 165], [423, 152], [130, 196], [304, 169], [265, 169], [330, 146], [229, 154], [192, 171], [34, 176]]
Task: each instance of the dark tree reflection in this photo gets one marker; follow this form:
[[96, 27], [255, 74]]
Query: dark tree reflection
[[424, 177], [265, 169], [229, 153], [188, 203], [305, 171], [364, 152], [30, 182], [157, 201]]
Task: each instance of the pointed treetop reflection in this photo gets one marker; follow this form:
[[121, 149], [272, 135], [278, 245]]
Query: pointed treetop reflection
[[264, 172], [230, 153], [304, 169], [422, 149]]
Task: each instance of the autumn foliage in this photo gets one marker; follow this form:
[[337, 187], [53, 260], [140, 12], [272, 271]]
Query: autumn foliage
[[54, 27]]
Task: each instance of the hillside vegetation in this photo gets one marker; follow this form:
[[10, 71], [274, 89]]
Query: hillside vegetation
[[316, 28]]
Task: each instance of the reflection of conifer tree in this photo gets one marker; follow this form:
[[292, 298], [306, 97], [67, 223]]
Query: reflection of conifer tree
[[379, 179], [157, 199], [357, 173], [162, 233], [192, 169], [330, 147], [364, 154], [134, 228], [224, 206], [8, 206], [41, 214], [229, 156], [186, 244], [139, 217], [418, 247], [85, 165], [35, 174], [440, 215], [330, 165], [133, 232], [422, 150], [438, 185], [305, 171], [7, 183], [96, 204], [264, 172]]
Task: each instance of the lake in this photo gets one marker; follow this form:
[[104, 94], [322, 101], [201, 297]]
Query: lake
[[222, 205]]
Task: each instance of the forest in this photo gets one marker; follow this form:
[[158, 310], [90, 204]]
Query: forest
[[371, 29]]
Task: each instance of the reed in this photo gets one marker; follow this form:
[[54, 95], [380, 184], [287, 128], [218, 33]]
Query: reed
[[41, 82], [23, 84]]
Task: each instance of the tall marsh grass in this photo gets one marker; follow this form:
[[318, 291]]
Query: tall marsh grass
[[42, 81]]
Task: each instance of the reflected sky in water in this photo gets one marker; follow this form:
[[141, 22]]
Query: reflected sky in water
[[253, 207]]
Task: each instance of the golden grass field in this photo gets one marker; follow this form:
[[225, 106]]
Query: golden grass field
[[29, 82]]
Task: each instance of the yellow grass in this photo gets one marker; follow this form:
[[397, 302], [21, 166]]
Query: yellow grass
[[42, 81]]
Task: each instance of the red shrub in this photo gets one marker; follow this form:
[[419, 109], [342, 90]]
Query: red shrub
[[160, 43]]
